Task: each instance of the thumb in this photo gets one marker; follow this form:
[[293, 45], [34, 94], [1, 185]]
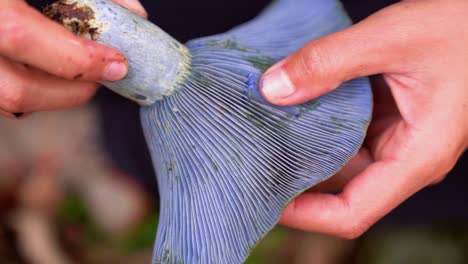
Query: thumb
[[375, 45]]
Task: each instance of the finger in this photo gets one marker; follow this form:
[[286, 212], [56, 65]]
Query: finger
[[25, 89], [407, 165], [367, 198], [133, 5], [29, 37], [375, 45]]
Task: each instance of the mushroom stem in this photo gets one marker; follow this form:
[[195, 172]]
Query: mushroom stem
[[157, 62]]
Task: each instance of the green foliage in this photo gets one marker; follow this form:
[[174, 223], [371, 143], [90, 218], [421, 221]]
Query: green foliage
[[73, 213], [142, 237], [262, 254]]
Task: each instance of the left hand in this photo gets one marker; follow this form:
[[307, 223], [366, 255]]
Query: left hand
[[43, 66]]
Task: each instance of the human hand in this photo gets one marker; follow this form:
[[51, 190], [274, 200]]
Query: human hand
[[43, 66], [420, 122]]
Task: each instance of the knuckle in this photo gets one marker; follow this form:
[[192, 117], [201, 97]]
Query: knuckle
[[316, 62], [81, 66], [446, 160], [13, 98], [438, 179], [353, 229], [352, 232], [84, 64], [313, 60], [443, 168], [448, 164], [13, 33]]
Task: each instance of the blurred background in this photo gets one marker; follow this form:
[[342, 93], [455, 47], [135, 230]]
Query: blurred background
[[77, 186], [63, 200]]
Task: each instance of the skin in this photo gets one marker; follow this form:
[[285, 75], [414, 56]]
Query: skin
[[43, 66], [418, 131], [419, 127]]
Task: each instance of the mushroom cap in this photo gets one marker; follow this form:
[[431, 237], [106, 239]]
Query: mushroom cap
[[227, 161]]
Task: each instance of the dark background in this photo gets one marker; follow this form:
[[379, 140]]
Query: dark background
[[187, 19]]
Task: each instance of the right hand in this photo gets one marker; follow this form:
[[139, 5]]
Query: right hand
[[419, 127], [43, 66]]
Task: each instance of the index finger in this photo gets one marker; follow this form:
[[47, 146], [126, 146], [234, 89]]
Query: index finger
[[29, 37]]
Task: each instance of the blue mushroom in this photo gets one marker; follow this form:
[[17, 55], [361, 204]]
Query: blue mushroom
[[227, 161]]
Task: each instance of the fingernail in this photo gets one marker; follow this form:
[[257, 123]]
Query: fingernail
[[114, 71], [276, 84]]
